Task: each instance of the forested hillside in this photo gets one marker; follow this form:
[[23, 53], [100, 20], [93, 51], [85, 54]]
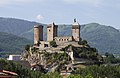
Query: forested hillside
[[12, 43], [15, 26]]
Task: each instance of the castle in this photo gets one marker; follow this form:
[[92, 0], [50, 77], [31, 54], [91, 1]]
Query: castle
[[52, 35]]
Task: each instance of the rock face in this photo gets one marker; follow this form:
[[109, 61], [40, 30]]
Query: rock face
[[37, 59], [49, 61], [34, 58], [53, 59]]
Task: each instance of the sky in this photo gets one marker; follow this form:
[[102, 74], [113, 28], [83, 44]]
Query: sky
[[105, 12]]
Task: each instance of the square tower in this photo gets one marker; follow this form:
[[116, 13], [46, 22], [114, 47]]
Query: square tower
[[76, 31], [51, 32]]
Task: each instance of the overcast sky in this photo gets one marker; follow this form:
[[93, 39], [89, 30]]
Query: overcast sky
[[106, 12]]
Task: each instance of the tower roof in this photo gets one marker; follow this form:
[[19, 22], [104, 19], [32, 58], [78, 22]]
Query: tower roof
[[75, 22], [37, 26], [50, 25]]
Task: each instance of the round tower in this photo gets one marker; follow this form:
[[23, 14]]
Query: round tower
[[38, 33], [76, 31]]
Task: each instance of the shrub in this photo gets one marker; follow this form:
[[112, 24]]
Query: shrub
[[53, 44]]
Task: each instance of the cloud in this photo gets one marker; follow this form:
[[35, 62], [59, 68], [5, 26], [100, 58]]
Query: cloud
[[93, 2], [39, 17]]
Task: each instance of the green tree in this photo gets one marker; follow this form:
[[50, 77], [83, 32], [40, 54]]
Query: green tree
[[53, 43], [27, 47], [101, 71], [75, 76], [19, 69], [53, 75]]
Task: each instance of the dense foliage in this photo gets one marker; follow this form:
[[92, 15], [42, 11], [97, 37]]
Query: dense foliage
[[88, 53], [19, 69], [103, 71], [85, 52], [24, 72], [79, 76]]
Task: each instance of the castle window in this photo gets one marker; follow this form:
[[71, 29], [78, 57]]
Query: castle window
[[59, 39], [46, 45], [67, 39], [64, 39], [49, 30]]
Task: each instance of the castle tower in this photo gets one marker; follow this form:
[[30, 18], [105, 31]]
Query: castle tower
[[38, 33], [51, 31], [76, 31]]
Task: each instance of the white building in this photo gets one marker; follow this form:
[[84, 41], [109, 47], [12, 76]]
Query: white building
[[14, 57]]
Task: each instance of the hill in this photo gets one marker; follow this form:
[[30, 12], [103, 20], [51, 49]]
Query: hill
[[104, 38], [15, 26], [11, 43]]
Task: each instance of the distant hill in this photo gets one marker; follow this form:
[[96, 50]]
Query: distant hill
[[104, 38], [11, 43], [15, 26]]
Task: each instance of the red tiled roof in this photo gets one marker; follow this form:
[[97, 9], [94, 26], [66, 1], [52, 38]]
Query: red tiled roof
[[9, 72]]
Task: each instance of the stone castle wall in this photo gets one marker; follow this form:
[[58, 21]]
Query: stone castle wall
[[62, 39]]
